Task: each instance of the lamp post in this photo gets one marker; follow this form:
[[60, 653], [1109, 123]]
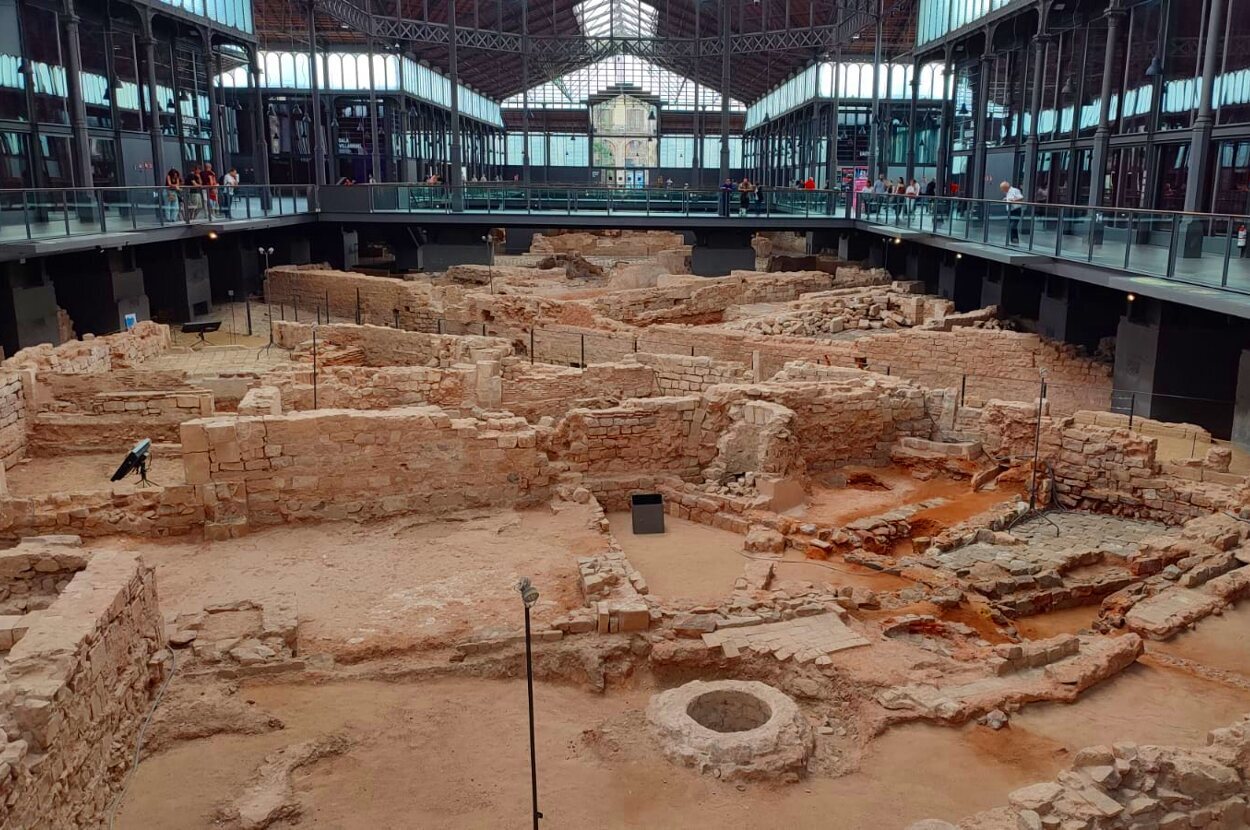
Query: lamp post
[[529, 596]]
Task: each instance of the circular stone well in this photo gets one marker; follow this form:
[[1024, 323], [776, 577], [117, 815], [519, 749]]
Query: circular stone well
[[732, 729]]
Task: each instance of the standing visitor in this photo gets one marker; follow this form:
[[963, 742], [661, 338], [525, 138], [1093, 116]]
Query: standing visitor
[[912, 193], [229, 183], [1012, 196], [745, 189], [726, 194], [810, 184], [210, 190], [173, 195], [195, 194]]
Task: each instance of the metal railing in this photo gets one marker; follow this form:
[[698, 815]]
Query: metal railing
[[58, 213], [511, 198], [1196, 248]]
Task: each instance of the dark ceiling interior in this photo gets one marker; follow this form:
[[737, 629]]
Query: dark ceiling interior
[[283, 24]]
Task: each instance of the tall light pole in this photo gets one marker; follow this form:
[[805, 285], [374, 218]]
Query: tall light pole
[[529, 596]]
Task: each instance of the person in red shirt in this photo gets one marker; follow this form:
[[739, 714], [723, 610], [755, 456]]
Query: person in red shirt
[[810, 184]]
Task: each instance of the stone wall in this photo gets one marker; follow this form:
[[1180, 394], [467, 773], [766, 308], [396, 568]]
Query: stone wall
[[77, 687], [95, 354], [647, 435], [538, 390], [606, 243], [361, 465], [704, 299], [681, 375], [382, 346], [1130, 785], [380, 297], [114, 421], [369, 387], [14, 417], [160, 511], [1103, 469], [76, 392]]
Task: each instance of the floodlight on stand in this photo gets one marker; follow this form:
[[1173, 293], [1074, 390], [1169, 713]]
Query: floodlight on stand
[[136, 461]]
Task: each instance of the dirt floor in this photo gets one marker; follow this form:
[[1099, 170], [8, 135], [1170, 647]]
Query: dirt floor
[[874, 490], [453, 754], [689, 561], [389, 587], [87, 472], [1063, 621], [797, 566], [1219, 642]]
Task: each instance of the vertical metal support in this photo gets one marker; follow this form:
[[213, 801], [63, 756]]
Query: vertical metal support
[[911, 120], [963, 390], [77, 104], [359, 319], [981, 142], [154, 106], [375, 155], [262, 138], [874, 118], [531, 345], [1102, 136], [1204, 119], [726, 45], [583, 360], [944, 129], [1132, 408], [215, 127], [525, 104], [454, 177], [247, 309], [1228, 250], [318, 143], [1035, 109]]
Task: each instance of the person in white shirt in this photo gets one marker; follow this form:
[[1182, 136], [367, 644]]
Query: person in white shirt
[[229, 182], [1012, 196]]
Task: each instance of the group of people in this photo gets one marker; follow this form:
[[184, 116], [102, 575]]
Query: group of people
[[748, 192], [199, 190], [903, 197]]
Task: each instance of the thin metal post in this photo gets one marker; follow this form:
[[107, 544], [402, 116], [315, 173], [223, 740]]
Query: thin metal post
[[327, 305], [295, 305], [531, 345], [314, 338], [1132, 409], [359, 319], [583, 362], [963, 390], [1037, 447]]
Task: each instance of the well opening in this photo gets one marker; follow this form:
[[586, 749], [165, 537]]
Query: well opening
[[729, 710]]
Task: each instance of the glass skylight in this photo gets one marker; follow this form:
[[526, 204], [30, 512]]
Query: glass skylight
[[616, 18], [574, 89]]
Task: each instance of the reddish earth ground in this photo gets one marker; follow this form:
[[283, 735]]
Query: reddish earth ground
[[865, 496], [453, 754], [689, 561], [388, 587]]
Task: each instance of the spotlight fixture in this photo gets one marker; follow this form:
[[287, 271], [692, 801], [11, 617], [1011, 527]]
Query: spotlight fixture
[[1131, 297], [898, 240], [212, 234], [136, 461], [1155, 69], [959, 256]]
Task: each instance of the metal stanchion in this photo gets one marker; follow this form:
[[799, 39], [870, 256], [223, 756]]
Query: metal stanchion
[[529, 596]]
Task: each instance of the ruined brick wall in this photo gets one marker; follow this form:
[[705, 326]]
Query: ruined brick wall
[[114, 421], [380, 297], [705, 298], [14, 417], [75, 392], [164, 511], [180, 404], [836, 422], [369, 387], [646, 435], [535, 391], [78, 685], [606, 243], [362, 465], [893, 306], [95, 354], [384, 346], [681, 375], [997, 364], [1103, 469]]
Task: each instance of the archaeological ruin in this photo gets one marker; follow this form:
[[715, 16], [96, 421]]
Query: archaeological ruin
[[918, 568]]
